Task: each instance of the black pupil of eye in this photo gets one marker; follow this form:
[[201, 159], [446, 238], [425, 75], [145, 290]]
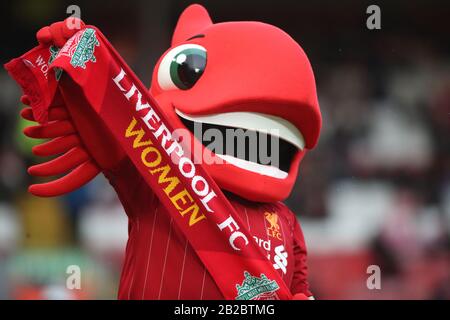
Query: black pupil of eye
[[189, 68]]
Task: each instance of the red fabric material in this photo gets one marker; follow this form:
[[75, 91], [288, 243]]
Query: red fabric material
[[300, 296], [31, 74], [160, 264]]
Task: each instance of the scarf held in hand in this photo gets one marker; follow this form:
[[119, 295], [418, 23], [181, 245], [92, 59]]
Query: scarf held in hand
[[87, 70]]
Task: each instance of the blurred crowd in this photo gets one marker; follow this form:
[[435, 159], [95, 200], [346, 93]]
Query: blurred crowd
[[376, 190]]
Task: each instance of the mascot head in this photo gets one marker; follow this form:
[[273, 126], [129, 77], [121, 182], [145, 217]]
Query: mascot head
[[240, 75]]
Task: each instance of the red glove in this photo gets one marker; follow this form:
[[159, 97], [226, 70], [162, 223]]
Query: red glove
[[85, 146], [300, 296], [59, 32]]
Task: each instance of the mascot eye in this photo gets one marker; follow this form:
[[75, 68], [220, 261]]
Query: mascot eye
[[181, 67]]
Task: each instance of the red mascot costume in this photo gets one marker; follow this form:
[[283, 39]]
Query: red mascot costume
[[247, 75]]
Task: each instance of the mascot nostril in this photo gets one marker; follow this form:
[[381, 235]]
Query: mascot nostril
[[209, 230]]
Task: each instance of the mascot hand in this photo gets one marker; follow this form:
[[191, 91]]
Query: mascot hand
[[85, 147], [301, 296], [66, 143], [59, 32]]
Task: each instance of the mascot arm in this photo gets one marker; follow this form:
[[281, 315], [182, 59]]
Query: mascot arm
[[300, 285]]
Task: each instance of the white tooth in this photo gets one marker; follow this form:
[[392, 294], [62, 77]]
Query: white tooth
[[273, 125], [264, 170]]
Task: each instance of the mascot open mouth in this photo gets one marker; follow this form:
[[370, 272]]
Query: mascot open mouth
[[257, 131]]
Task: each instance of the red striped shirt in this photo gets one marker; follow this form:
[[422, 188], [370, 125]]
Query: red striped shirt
[[160, 263]]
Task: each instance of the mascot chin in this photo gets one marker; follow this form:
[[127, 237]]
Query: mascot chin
[[216, 77]]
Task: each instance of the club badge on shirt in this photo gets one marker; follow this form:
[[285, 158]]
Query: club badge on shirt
[[273, 230]]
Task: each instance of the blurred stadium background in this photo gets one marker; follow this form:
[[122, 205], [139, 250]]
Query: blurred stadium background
[[375, 191]]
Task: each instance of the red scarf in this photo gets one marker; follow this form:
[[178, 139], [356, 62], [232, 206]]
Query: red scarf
[[95, 74]]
